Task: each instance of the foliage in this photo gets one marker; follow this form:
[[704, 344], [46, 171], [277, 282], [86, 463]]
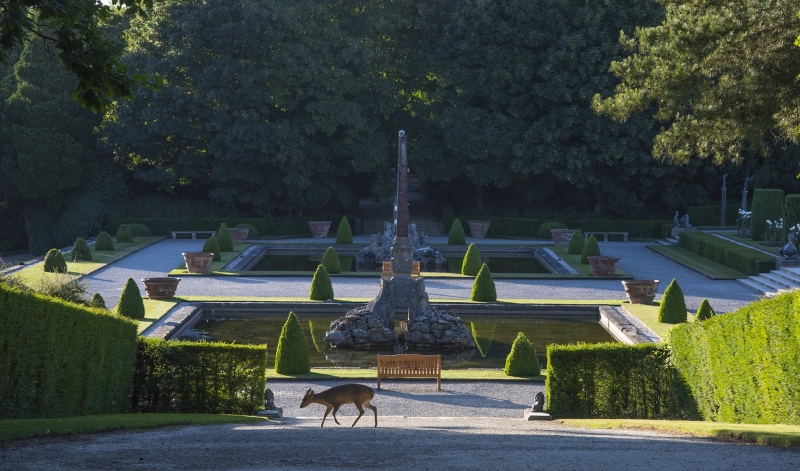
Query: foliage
[[614, 380], [704, 311], [124, 234], [61, 360], [62, 286], [483, 334], [54, 262], [472, 263], [330, 260], [344, 234], [709, 215], [98, 302], [224, 238], [767, 205], [791, 217], [590, 248], [672, 309], [199, 377], [291, 356], [104, 242], [576, 243], [211, 246], [139, 230], [522, 359], [525, 227], [252, 231], [544, 229], [743, 228], [483, 287], [321, 287], [773, 232], [165, 226], [80, 251], [730, 254], [130, 302], [456, 235], [744, 366]]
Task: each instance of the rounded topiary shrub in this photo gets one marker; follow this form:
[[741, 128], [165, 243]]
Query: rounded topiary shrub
[[252, 229], [472, 261], [97, 301], [456, 235], [483, 287], [130, 301], [291, 356], [576, 244], [321, 287], [224, 239], [673, 306], [54, 262], [522, 360], [80, 251], [590, 249], [344, 234], [330, 260], [140, 230], [544, 229], [211, 246], [704, 311], [104, 242], [124, 234]]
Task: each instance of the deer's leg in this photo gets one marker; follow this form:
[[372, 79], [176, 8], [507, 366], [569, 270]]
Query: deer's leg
[[336, 409], [360, 413], [327, 411], [374, 409]]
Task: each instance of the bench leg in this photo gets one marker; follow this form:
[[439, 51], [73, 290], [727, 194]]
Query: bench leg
[[194, 235], [439, 383], [379, 382], [624, 237], [605, 237]]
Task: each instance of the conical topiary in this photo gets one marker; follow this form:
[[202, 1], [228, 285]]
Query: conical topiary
[[80, 251], [291, 356], [483, 287], [673, 307], [321, 287], [522, 360], [456, 235], [97, 301], [330, 260], [124, 234], [704, 311], [472, 261], [224, 239], [344, 234], [54, 262], [576, 244], [130, 301], [211, 246], [104, 242], [483, 334], [590, 248]]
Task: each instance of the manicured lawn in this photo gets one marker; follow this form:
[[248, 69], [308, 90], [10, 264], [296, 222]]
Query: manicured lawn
[[12, 429], [154, 310], [648, 314], [762, 434], [488, 374], [752, 243], [703, 265], [580, 302]]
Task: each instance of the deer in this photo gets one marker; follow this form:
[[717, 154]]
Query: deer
[[334, 397]]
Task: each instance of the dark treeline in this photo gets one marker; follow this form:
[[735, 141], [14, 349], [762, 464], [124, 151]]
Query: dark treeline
[[293, 107]]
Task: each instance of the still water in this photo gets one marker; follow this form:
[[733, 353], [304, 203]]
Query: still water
[[493, 336], [453, 265]]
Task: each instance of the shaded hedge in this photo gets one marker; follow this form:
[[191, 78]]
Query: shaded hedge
[[104, 242], [590, 249], [730, 254], [544, 229], [80, 251], [124, 234], [523, 227], [709, 215], [54, 262], [211, 246], [576, 244], [289, 225], [791, 216], [198, 377], [613, 380], [472, 263], [744, 366], [224, 239], [58, 359], [330, 260], [344, 233], [130, 302], [767, 205], [456, 235]]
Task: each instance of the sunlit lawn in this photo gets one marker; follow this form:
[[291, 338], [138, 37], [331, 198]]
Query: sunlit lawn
[[648, 314]]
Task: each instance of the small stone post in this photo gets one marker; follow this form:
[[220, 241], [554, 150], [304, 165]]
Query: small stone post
[[724, 201], [744, 193]]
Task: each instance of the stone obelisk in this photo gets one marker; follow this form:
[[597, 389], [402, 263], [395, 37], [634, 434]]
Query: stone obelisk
[[401, 247]]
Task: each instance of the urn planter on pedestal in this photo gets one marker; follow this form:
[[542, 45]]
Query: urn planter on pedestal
[[239, 234], [561, 237], [319, 228], [640, 291], [198, 262], [478, 228], [602, 265], [161, 288]]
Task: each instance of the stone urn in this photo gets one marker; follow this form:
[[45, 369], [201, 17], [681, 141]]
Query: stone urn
[[198, 262], [603, 265], [161, 288], [478, 228], [640, 291], [239, 234], [319, 228], [561, 237]]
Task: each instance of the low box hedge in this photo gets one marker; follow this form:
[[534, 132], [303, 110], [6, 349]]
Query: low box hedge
[[724, 252], [523, 227]]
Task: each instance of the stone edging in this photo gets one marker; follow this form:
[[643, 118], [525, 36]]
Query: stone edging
[[174, 322], [624, 327]]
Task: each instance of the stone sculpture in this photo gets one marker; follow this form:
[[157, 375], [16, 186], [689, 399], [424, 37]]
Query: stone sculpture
[[789, 251], [677, 224], [538, 402]]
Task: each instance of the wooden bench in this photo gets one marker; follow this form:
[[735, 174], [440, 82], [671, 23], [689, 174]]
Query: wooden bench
[[193, 233], [386, 269], [606, 234], [410, 366]]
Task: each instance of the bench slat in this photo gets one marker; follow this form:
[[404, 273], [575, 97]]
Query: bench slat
[[410, 366]]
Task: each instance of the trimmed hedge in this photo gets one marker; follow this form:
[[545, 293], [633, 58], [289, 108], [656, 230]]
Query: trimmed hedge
[[590, 249], [767, 204], [224, 238], [483, 288], [253, 232], [58, 359], [672, 309], [139, 230], [472, 261], [744, 366], [54, 262], [291, 356], [708, 215], [124, 234], [612, 380], [730, 254], [522, 360], [576, 243], [272, 226], [98, 302], [523, 227], [456, 235], [80, 251], [344, 234], [704, 311], [211, 246], [544, 229], [330, 260], [198, 377], [791, 216], [130, 302], [321, 287], [104, 242]]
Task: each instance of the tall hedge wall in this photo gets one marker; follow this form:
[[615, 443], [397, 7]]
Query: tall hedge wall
[[58, 359], [523, 227], [613, 380], [270, 226], [744, 366], [213, 377], [709, 215], [767, 205], [791, 215], [732, 255]]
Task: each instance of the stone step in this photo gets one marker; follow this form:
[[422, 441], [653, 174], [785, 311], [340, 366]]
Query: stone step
[[791, 274], [776, 279], [761, 285]]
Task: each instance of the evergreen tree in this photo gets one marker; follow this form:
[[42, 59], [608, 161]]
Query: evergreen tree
[[124, 234], [104, 242], [80, 251], [98, 301], [321, 287], [576, 244], [292, 356], [522, 360], [344, 234], [704, 311], [330, 260], [590, 249], [54, 262], [483, 288], [130, 302], [472, 261], [456, 235], [224, 239], [673, 305], [211, 246]]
